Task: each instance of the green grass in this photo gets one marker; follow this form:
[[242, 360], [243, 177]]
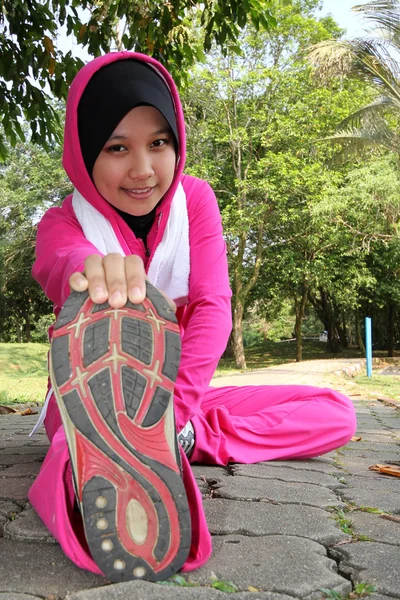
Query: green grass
[[384, 385], [23, 373], [269, 354]]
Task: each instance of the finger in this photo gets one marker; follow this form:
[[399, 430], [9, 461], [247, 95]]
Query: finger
[[136, 278], [114, 269], [94, 273], [78, 282]]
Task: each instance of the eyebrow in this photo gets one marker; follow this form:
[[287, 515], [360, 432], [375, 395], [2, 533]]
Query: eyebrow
[[163, 130]]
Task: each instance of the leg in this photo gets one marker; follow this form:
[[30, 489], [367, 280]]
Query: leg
[[113, 380], [257, 423]]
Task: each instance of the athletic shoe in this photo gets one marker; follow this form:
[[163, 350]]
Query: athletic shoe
[[113, 372]]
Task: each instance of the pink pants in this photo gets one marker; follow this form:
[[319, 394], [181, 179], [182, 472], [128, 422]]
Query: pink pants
[[237, 424]]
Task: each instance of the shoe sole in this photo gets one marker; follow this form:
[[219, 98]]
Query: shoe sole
[[113, 372]]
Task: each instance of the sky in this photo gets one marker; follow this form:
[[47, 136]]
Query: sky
[[339, 9], [343, 15]]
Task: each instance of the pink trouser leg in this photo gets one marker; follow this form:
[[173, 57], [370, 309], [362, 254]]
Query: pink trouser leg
[[53, 497], [246, 425], [258, 423]]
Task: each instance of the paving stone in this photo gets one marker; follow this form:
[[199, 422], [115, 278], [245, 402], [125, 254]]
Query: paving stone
[[324, 465], [377, 439], [356, 465], [375, 527], [364, 445], [209, 473], [23, 450], [16, 459], [53, 572], [383, 500], [367, 452], [284, 564], [226, 517], [143, 590], [22, 470], [265, 471], [372, 562], [282, 492], [379, 482], [379, 597], [9, 508], [13, 596], [14, 488], [28, 527]]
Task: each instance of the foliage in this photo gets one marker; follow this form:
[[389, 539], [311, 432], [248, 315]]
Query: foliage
[[373, 59], [33, 67], [26, 191]]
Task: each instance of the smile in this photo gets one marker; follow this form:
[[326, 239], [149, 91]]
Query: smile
[[139, 192]]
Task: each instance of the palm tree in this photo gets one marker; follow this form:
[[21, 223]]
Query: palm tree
[[374, 59]]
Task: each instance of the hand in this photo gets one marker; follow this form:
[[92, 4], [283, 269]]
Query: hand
[[113, 278]]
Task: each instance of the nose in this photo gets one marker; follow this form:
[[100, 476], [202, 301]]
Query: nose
[[141, 166]]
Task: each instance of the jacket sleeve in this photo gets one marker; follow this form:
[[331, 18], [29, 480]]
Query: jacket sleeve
[[207, 320], [61, 249]]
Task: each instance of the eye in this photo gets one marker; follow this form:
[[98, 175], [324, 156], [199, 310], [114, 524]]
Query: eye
[[159, 143], [116, 149]]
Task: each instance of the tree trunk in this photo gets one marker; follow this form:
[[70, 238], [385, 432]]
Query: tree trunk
[[359, 340], [228, 352], [237, 334], [300, 307], [390, 329], [27, 328]]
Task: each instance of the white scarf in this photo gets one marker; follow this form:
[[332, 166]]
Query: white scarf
[[170, 266]]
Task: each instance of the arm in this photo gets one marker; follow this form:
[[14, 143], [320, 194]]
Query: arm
[[61, 249], [207, 320]]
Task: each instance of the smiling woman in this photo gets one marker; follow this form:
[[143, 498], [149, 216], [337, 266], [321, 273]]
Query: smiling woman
[[137, 164]]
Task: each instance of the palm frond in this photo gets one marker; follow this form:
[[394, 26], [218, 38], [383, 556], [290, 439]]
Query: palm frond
[[384, 13], [371, 113], [358, 139]]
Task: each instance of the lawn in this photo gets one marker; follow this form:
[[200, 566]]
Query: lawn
[[23, 368], [23, 373]]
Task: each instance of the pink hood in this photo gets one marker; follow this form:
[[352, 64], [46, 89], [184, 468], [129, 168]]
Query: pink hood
[[72, 157]]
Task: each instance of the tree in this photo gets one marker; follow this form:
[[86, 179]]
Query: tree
[[32, 66], [372, 59], [31, 181], [251, 121]]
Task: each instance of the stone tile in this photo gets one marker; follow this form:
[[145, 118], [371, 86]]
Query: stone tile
[[28, 527], [53, 572], [143, 590], [22, 470], [375, 527], [383, 500], [23, 450], [265, 471], [375, 563], [379, 482], [17, 459], [283, 564], [321, 464], [364, 445], [8, 509], [226, 517], [356, 465], [14, 488], [250, 488], [209, 472], [16, 596]]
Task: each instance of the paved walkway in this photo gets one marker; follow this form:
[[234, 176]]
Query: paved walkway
[[282, 530]]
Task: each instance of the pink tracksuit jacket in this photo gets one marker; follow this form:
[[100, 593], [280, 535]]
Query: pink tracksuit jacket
[[247, 424]]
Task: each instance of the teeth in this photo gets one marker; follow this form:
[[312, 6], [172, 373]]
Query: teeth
[[142, 191]]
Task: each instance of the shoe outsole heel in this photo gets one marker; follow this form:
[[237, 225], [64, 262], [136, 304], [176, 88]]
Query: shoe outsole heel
[[113, 372]]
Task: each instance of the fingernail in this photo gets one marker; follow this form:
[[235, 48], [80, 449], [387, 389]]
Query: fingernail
[[116, 297], [99, 293], [136, 294], [80, 282]]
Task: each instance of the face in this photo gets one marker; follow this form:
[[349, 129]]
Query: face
[[136, 166]]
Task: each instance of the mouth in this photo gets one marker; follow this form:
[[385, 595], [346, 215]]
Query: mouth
[[141, 193]]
